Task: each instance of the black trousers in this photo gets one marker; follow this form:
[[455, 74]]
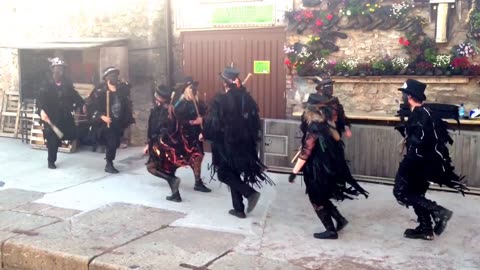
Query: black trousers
[[410, 188], [53, 142], [111, 137], [238, 188]]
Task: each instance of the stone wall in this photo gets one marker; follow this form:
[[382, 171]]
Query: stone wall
[[142, 21], [365, 44], [379, 96]]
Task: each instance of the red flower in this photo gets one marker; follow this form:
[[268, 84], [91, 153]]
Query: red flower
[[319, 22], [401, 41], [329, 17], [288, 62], [308, 14], [406, 42]]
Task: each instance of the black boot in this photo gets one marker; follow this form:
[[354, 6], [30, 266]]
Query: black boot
[[109, 167], [440, 214], [175, 197], [341, 221], [199, 186], [236, 213], [424, 229], [327, 221], [51, 165], [441, 217]]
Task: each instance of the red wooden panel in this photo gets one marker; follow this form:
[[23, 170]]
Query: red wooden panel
[[206, 53]]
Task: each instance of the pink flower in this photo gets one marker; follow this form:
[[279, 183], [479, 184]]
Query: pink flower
[[319, 22], [329, 17], [406, 42], [401, 41]]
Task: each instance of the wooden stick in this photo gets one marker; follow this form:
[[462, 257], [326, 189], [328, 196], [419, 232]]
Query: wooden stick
[[108, 106], [247, 78], [295, 157]]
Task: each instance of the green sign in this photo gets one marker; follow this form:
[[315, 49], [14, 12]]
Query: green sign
[[243, 15], [261, 67]]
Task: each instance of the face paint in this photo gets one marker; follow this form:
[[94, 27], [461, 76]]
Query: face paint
[[57, 73], [327, 91], [112, 78], [405, 98]]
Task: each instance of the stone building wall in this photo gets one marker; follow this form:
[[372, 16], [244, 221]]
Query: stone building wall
[[379, 96], [142, 21], [368, 95]]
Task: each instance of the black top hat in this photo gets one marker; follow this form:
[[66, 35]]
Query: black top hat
[[229, 74], [164, 92], [110, 70], [189, 81], [414, 88], [324, 81], [316, 99]]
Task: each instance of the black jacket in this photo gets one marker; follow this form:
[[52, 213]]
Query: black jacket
[[427, 158], [98, 106], [58, 102]]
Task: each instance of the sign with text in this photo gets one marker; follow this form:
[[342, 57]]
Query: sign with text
[[252, 14], [261, 67]]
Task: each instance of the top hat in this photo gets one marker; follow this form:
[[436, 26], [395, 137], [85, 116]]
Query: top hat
[[56, 61], [414, 88], [110, 70], [316, 99], [164, 92], [325, 81], [189, 81], [229, 74]]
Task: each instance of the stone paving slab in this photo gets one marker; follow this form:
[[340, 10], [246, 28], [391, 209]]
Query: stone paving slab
[[47, 210], [170, 248], [14, 223], [73, 243], [12, 198], [237, 261]]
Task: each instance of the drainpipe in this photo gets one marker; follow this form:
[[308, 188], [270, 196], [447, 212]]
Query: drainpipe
[[168, 34]]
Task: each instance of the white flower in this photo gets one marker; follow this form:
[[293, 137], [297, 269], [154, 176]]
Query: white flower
[[319, 63], [349, 13], [399, 63], [442, 60]]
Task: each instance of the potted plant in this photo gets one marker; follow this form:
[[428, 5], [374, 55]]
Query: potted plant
[[378, 67], [441, 64], [364, 69], [460, 65], [351, 65], [400, 65], [330, 67], [421, 68]]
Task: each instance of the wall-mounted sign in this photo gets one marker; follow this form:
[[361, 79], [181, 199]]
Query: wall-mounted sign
[[261, 67], [251, 14]]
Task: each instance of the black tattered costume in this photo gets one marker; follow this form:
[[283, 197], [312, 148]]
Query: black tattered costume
[[233, 127], [326, 173], [426, 160], [58, 101]]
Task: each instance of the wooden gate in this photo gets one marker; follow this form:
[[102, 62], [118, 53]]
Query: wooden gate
[[206, 53]]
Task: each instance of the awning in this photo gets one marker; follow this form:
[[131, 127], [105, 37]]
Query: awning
[[68, 44]]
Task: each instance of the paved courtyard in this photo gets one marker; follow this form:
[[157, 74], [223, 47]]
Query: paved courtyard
[[79, 217]]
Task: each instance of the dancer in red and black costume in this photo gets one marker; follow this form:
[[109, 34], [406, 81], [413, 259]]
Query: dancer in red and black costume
[[166, 145], [190, 112]]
